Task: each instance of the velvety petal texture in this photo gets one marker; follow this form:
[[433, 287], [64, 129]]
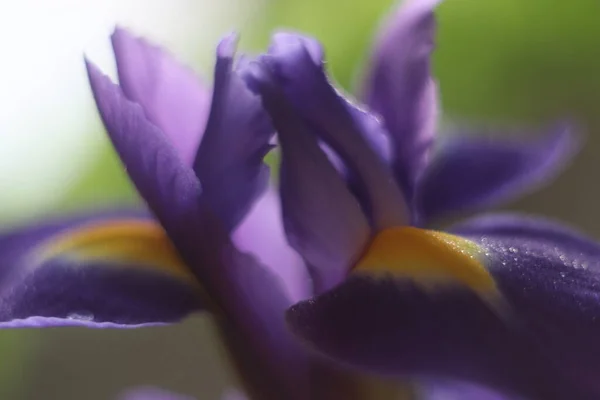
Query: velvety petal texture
[[229, 161], [398, 86], [172, 95], [111, 269], [473, 171], [535, 335]]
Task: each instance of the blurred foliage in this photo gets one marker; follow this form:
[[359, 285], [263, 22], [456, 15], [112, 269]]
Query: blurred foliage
[[520, 60], [514, 59]]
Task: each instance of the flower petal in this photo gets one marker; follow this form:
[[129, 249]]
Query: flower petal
[[471, 172], [229, 161], [399, 86], [255, 301], [111, 269], [150, 393], [170, 188], [537, 340], [262, 234], [172, 96], [329, 238], [301, 74]]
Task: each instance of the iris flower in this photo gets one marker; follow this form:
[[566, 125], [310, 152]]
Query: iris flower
[[329, 285]]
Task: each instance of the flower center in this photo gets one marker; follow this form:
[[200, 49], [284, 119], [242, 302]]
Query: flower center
[[133, 242], [428, 258]]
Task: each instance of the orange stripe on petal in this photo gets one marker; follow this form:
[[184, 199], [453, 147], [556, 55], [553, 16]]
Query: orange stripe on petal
[[429, 258], [134, 242]]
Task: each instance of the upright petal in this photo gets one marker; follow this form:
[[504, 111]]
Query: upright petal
[[110, 269], [254, 329], [398, 85], [229, 161], [322, 220], [476, 172], [539, 340], [293, 60], [262, 234], [172, 95], [170, 188], [150, 393]]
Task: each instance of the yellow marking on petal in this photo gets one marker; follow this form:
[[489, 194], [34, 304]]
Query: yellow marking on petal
[[141, 244], [429, 258]]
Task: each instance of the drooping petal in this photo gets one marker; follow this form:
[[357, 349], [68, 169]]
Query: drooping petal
[[170, 188], [229, 161], [348, 131], [535, 337], [398, 85], [110, 269], [329, 238], [475, 172], [172, 95], [150, 393]]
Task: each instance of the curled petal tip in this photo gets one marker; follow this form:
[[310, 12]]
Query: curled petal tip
[[258, 76], [227, 46]]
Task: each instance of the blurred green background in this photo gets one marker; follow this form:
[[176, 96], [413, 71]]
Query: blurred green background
[[527, 61]]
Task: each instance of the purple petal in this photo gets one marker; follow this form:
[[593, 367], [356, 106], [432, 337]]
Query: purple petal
[[344, 128], [172, 96], [150, 393], [262, 234], [229, 161], [254, 302], [330, 238], [103, 270], [539, 341], [399, 86], [170, 188], [471, 172]]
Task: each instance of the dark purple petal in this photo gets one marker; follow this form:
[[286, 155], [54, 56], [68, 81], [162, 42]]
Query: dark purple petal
[[110, 269], [346, 129], [229, 161], [537, 339], [322, 219], [474, 172], [398, 85], [170, 188], [150, 393], [172, 96]]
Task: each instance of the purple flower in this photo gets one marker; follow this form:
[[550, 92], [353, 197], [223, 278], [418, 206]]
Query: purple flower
[[501, 300]]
